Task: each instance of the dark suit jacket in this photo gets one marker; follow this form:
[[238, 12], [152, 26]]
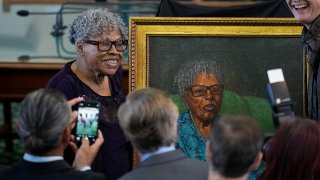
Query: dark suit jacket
[[55, 170], [171, 165]]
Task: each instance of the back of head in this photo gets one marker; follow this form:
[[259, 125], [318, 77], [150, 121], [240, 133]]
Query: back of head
[[294, 152], [92, 22], [44, 114], [235, 143], [148, 118]]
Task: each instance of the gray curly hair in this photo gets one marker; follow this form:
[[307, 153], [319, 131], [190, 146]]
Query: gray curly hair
[[189, 72], [93, 22]]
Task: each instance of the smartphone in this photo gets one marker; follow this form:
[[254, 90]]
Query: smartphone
[[87, 122]]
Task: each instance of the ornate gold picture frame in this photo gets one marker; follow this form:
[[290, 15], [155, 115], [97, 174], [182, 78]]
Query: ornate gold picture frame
[[245, 48]]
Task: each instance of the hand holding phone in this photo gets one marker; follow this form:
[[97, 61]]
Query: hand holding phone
[[85, 154], [87, 122]]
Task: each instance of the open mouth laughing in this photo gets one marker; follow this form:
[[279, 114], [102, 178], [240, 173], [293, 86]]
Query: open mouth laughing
[[300, 6], [111, 62]]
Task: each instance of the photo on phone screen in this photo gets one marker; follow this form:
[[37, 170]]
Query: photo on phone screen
[[87, 123]]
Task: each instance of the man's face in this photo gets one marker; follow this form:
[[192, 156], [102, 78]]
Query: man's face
[[305, 11]]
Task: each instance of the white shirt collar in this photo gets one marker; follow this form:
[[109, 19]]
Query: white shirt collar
[[41, 159], [162, 149]]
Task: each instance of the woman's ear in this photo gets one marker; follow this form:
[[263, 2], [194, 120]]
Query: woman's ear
[[79, 48]]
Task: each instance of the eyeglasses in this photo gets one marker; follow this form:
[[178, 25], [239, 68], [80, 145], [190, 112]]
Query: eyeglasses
[[199, 90], [104, 46]]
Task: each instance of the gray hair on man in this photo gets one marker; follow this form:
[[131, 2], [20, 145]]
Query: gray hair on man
[[92, 22], [149, 119], [44, 114], [189, 72], [234, 146]]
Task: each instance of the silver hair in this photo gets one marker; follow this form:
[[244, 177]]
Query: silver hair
[[44, 114], [189, 72], [92, 22], [149, 119]]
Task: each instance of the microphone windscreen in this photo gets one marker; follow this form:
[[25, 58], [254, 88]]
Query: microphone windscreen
[[24, 58], [23, 13]]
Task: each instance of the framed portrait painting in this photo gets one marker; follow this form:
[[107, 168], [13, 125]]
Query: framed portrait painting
[[245, 48]]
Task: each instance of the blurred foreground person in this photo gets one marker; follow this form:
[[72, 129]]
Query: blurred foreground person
[[234, 148], [149, 119], [294, 152], [308, 13], [44, 126]]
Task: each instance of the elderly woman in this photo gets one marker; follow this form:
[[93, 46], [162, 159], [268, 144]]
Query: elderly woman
[[100, 38], [294, 152], [200, 84]]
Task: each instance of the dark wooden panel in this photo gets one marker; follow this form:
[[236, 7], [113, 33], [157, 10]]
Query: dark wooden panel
[[18, 79]]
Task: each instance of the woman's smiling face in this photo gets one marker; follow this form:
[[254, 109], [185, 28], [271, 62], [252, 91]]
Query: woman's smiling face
[[305, 11], [104, 62]]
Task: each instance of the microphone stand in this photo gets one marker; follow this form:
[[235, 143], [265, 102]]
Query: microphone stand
[[58, 27], [57, 33]]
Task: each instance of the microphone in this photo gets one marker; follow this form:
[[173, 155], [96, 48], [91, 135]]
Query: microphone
[[24, 58], [25, 13], [57, 33]]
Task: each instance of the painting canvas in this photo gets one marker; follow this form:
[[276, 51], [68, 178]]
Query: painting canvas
[[244, 48]]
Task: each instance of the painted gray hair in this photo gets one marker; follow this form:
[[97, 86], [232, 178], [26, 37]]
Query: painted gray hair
[[189, 72], [44, 114], [93, 22], [149, 119]]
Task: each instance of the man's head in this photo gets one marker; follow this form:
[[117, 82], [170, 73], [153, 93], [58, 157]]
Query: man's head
[[148, 118], [234, 146], [305, 11], [44, 116]]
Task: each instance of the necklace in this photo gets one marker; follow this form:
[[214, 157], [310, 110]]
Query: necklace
[[196, 127]]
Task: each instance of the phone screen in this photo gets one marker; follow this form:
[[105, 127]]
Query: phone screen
[[87, 123]]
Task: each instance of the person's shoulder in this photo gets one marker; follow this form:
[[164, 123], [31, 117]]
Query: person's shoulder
[[126, 176], [175, 165], [197, 162], [194, 168], [84, 175], [5, 167], [184, 117], [62, 82], [184, 125], [5, 170], [60, 77]]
